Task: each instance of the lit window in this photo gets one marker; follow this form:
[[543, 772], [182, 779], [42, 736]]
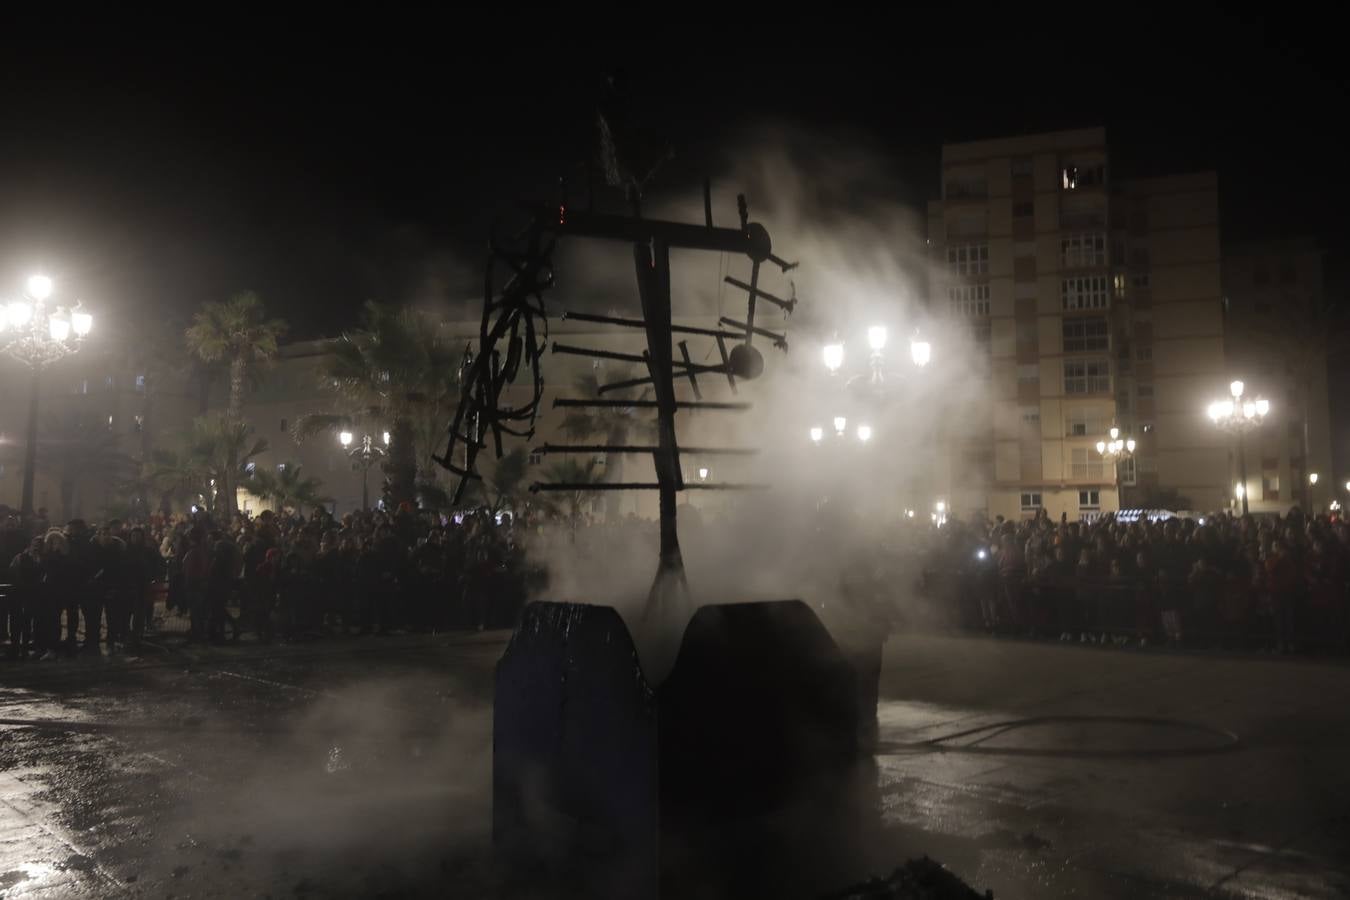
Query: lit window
[[1270, 486], [1072, 177]]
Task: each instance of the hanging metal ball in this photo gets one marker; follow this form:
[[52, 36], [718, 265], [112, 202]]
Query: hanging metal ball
[[747, 363], [760, 247]]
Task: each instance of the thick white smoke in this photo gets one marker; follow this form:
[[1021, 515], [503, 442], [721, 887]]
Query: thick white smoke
[[833, 511]]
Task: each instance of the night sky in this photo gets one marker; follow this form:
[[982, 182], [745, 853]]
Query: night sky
[[322, 173]]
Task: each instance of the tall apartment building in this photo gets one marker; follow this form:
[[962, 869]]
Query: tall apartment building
[[1094, 301], [1275, 333]]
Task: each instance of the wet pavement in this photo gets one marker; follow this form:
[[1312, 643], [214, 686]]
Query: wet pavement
[[362, 768]]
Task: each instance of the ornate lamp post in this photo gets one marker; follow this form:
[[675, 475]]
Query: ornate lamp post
[[1114, 450], [871, 388], [1238, 415], [38, 334], [363, 456]]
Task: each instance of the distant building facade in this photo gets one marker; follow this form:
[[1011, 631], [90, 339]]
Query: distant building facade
[[1095, 301]]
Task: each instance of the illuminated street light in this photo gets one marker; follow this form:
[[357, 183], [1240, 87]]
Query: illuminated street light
[[876, 338], [817, 433], [702, 473], [840, 423], [864, 433], [363, 456], [1238, 415], [1312, 478], [1114, 450], [39, 287], [920, 352], [1240, 492], [834, 356], [386, 439], [38, 335], [19, 314]]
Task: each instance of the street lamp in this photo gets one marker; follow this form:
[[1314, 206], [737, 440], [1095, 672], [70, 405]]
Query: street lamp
[[1239, 414], [864, 433], [363, 456], [840, 423], [920, 351], [834, 356], [817, 433], [37, 336], [1114, 450]]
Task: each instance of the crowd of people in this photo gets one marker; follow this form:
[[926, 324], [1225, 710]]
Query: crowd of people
[[1281, 583], [76, 588], [1241, 582]]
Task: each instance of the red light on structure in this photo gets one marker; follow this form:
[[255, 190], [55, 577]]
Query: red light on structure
[[562, 214]]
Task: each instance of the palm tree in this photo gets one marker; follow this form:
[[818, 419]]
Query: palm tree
[[397, 369], [571, 503], [288, 488], [499, 488], [215, 452], [612, 424], [237, 331]]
